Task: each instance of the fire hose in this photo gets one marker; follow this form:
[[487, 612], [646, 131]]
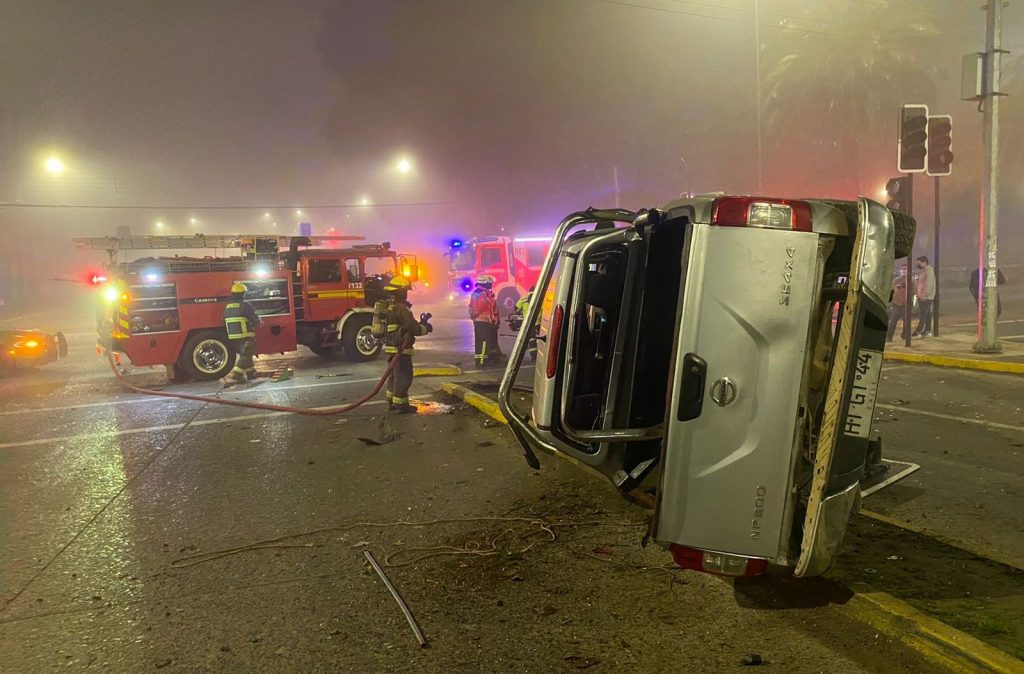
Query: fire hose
[[313, 412]]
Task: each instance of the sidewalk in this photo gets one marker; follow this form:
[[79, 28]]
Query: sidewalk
[[955, 349]]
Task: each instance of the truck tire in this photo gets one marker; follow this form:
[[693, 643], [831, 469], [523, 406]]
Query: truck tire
[[358, 340], [906, 228], [507, 299], [207, 356]]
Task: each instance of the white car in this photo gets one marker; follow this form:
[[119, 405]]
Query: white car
[[690, 352]]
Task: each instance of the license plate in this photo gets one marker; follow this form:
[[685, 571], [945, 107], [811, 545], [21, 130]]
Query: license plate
[[863, 391]]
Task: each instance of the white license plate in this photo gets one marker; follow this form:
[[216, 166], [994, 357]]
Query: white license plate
[[864, 389]]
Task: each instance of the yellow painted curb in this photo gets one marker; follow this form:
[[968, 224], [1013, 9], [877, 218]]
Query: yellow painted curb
[[961, 363], [437, 371], [933, 639], [482, 403]]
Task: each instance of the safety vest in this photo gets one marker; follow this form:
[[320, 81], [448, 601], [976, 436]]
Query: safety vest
[[236, 323]]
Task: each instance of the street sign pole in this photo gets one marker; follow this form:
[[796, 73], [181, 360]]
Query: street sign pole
[[908, 303], [938, 294], [988, 338]]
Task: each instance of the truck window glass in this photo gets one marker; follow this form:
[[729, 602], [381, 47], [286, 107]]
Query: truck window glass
[[463, 258], [382, 267], [352, 270], [490, 256], [535, 254], [325, 271]]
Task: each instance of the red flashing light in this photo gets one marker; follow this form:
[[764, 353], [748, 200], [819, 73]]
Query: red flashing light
[[761, 212], [555, 340], [717, 563]]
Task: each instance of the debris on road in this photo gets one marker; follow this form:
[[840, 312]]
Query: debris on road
[[332, 374], [752, 660], [420, 637]]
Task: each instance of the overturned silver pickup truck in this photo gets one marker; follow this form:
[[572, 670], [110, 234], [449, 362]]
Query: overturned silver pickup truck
[[721, 354]]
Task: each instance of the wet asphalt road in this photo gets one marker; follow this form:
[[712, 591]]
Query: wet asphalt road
[[107, 497]]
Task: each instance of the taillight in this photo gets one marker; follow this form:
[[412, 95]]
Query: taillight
[[716, 562], [555, 340], [761, 212]]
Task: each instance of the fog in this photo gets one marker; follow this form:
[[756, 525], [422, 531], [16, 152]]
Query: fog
[[183, 117]]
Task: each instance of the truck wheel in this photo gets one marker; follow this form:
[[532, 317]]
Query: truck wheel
[[906, 227], [358, 339], [207, 356], [507, 299]]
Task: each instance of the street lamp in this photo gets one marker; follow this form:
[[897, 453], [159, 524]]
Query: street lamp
[[365, 201], [404, 166], [159, 224], [54, 165], [298, 213], [266, 214]]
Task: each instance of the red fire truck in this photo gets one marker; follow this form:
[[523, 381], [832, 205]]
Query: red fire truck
[[169, 310], [513, 262]]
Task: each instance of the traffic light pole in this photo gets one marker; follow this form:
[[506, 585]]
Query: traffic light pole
[[908, 303], [988, 338], [938, 294]]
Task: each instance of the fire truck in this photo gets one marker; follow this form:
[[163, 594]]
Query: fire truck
[[513, 262], [168, 310]]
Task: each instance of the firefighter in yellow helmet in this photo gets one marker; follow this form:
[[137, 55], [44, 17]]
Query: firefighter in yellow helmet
[[240, 321], [401, 332]]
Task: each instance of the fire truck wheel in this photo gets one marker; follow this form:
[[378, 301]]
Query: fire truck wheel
[[206, 356], [358, 339], [507, 299]]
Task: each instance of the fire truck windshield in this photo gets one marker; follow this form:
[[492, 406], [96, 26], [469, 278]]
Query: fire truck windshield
[[462, 259]]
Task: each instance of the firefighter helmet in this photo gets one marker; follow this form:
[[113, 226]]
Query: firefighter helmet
[[484, 280], [238, 288], [398, 283]]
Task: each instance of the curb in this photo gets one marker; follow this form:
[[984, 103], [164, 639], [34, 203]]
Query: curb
[[482, 403], [933, 639], [959, 363]]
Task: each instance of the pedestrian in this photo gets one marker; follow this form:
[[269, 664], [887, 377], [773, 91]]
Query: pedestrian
[[400, 334], [898, 305], [483, 310], [972, 285], [241, 321], [925, 297]]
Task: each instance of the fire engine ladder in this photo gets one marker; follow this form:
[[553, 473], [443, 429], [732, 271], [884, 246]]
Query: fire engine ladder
[[255, 242]]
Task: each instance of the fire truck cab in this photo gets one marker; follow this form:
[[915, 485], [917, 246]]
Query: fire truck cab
[[514, 263], [169, 310]]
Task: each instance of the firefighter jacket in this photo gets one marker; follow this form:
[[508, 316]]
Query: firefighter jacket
[[402, 328], [240, 320], [483, 306]]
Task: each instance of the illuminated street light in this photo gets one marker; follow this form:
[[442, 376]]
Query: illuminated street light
[[299, 213], [54, 165], [192, 221], [267, 214], [365, 201], [159, 224], [404, 166]]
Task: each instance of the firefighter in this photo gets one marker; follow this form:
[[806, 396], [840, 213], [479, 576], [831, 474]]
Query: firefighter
[[401, 332], [240, 321], [483, 309], [522, 306]]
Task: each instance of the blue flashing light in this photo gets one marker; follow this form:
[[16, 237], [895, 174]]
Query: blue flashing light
[[467, 284], [456, 243]]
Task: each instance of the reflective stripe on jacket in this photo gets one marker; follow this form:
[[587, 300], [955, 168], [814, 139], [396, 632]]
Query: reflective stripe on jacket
[[402, 328], [240, 320]]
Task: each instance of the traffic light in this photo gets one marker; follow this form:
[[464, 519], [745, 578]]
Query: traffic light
[[898, 190], [913, 146], [940, 145]]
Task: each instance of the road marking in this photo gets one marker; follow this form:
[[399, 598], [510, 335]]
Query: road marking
[[912, 468], [163, 399], [155, 429], [952, 417]]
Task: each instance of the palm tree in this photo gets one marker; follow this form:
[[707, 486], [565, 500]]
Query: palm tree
[[841, 70]]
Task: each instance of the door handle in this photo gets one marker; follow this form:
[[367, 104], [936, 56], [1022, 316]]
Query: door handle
[[691, 387]]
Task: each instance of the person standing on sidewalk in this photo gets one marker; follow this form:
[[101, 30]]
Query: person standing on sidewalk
[[925, 297], [899, 301]]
